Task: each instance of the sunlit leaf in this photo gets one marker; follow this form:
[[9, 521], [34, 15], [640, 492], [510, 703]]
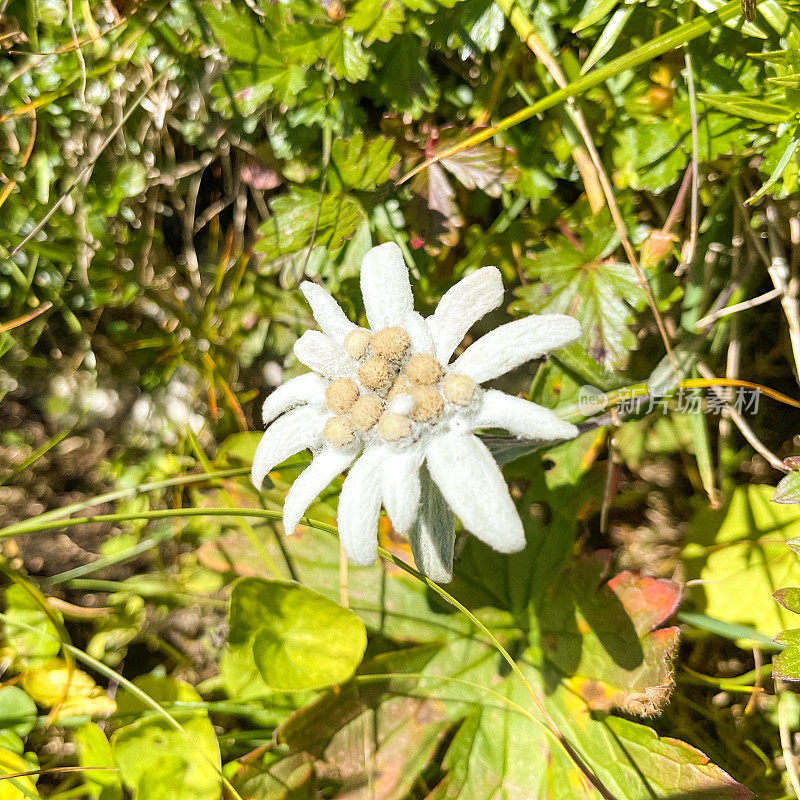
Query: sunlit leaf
[[286, 630], [359, 164], [159, 762], [739, 555], [298, 216], [583, 279]]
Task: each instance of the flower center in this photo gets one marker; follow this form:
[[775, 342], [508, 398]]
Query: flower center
[[393, 390]]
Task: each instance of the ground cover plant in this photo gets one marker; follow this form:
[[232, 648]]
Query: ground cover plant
[[615, 616]]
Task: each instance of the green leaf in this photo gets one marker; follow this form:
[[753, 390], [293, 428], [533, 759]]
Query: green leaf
[[405, 81], [293, 222], [345, 55], [376, 20], [306, 43], [595, 13], [650, 156], [789, 598], [245, 91], [611, 32], [241, 35], [786, 665], [451, 685], [788, 638], [17, 711], [287, 627], [742, 105], [739, 555], [359, 164], [583, 280], [159, 762], [777, 173], [787, 491], [94, 750], [30, 649]]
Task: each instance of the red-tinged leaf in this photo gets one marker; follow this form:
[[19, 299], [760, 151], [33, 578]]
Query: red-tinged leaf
[[433, 214], [603, 637], [484, 167], [789, 598]]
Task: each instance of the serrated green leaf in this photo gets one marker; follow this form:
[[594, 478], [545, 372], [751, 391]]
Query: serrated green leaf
[[241, 35], [293, 221], [359, 164], [405, 81], [583, 282], [376, 20], [306, 43]]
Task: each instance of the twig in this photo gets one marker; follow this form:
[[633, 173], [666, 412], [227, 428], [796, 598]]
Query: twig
[[708, 320], [15, 323], [687, 252], [743, 427], [785, 283], [786, 741]]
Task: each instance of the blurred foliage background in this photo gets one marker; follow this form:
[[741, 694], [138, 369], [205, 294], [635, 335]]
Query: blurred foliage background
[[171, 170]]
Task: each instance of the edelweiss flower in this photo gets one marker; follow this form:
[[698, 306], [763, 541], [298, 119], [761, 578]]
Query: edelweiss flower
[[390, 396]]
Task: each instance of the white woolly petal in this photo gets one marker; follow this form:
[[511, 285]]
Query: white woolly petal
[[521, 417], [462, 306], [385, 287], [308, 388], [419, 333], [433, 535], [289, 434], [360, 507], [327, 464], [401, 404], [474, 487], [400, 486], [510, 345], [319, 353], [327, 312]]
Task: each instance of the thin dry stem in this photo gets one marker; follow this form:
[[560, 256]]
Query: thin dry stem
[[785, 283], [743, 427]]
